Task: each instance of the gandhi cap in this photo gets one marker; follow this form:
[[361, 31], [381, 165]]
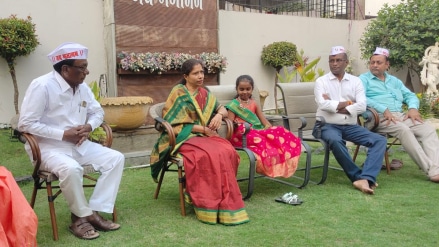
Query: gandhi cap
[[381, 51], [68, 50], [337, 50]]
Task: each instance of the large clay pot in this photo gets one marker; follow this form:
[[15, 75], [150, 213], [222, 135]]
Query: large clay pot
[[126, 113]]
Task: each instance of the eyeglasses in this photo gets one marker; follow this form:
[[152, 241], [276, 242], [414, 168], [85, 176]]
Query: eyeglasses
[[376, 62], [336, 60], [81, 68]]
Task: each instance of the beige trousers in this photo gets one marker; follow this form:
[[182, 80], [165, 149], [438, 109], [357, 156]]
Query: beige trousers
[[419, 140]]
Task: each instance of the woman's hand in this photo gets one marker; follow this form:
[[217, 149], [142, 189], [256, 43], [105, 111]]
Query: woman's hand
[[210, 132], [216, 121]]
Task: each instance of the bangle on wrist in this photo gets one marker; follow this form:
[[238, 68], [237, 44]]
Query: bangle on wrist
[[204, 129]]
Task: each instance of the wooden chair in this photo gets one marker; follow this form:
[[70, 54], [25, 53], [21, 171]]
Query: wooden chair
[[161, 125], [300, 110], [44, 179], [370, 120]]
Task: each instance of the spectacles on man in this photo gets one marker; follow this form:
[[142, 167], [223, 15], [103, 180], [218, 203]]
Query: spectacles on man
[[376, 62], [81, 68], [338, 60]]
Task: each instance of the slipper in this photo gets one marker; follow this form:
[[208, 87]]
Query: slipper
[[289, 198], [102, 224], [395, 164], [82, 229]]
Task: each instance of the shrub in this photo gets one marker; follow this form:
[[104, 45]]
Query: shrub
[[279, 54], [17, 38]]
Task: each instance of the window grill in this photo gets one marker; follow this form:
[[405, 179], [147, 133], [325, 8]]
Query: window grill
[[337, 9]]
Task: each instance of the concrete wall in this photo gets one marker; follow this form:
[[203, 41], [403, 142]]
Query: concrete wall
[[56, 21], [373, 6], [241, 38]]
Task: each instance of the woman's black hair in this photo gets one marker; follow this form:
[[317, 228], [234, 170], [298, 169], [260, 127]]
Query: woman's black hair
[[188, 66], [246, 78]]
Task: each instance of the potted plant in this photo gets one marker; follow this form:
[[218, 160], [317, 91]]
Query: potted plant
[[278, 55], [121, 113], [307, 71]]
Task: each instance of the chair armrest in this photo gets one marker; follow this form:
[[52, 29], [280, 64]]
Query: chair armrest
[[371, 119], [109, 135], [247, 128], [299, 129], [36, 153], [319, 124], [229, 125], [162, 125]]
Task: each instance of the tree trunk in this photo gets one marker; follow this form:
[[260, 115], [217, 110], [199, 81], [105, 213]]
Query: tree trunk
[[275, 91], [14, 81]]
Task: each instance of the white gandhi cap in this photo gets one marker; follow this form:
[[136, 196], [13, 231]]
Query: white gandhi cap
[[66, 51]]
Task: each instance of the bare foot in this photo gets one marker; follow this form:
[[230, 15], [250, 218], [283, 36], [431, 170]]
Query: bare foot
[[363, 186], [435, 179], [374, 186]]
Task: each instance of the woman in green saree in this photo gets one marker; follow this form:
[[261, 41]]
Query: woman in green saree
[[210, 161]]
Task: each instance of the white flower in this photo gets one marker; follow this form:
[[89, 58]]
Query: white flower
[[161, 62]]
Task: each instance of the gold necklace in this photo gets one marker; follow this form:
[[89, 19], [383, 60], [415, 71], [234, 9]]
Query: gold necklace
[[241, 101]]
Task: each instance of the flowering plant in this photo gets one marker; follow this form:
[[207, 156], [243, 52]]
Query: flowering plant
[[160, 62], [428, 105]]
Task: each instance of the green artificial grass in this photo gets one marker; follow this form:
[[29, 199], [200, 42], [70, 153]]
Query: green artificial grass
[[403, 211]]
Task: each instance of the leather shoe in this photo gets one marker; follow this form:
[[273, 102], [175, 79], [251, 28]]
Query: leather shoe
[[102, 224]]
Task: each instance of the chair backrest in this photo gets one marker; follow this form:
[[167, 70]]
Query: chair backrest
[[156, 110], [299, 101], [226, 93]]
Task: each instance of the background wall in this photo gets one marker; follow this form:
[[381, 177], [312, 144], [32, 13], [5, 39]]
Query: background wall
[[241, 38], [56, 21], [372, 7]]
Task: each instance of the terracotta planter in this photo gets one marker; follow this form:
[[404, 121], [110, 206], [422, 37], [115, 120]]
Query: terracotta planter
[[126, 113]]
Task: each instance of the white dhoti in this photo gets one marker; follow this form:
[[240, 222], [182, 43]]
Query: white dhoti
[[68, 167]]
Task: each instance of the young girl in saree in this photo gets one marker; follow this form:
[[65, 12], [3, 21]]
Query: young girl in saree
[[276, 149], [210, 161]]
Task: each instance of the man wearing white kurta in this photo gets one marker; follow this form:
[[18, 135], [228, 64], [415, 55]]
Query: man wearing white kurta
[[340, 98], [61, 111]]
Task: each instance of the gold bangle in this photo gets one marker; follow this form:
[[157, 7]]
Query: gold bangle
[[204, 129]]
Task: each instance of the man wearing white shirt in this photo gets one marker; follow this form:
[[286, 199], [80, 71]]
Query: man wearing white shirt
[[340, 98], [60, 111]]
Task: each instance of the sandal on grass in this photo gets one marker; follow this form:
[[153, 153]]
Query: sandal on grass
[[102, 224], [82, 229], [289, 198]]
